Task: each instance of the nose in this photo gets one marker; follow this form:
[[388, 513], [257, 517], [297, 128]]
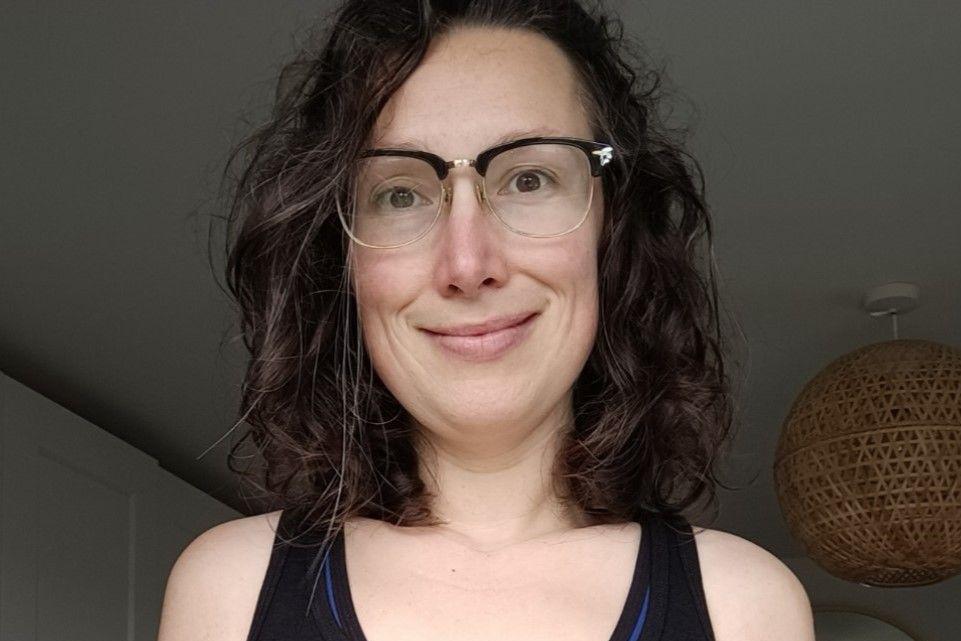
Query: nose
[[470, 253]]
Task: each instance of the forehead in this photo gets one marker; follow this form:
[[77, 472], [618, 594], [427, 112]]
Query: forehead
[[477, 87]]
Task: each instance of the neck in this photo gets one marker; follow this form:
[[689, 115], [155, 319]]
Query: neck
[[494, 492]]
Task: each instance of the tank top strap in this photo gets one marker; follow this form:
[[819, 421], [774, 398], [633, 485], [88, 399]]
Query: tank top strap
[[292, 590], [679, 590]]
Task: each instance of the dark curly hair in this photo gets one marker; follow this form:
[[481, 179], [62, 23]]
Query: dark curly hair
[[653, 405]]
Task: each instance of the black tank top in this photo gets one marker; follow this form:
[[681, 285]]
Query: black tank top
[[306, 596]]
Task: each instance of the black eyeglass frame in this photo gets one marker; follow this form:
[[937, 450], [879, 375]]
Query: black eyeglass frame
[[598, 155]]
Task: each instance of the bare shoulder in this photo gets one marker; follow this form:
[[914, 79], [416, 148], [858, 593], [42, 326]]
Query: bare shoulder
[[751, 594], [213, 587]]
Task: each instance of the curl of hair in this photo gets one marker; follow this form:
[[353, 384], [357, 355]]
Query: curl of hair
[[653, 404]]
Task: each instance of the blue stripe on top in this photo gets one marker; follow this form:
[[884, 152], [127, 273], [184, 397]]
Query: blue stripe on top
[[330, 592], [639, 625]]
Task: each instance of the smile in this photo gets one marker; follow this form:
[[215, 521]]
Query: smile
[[484, 347]]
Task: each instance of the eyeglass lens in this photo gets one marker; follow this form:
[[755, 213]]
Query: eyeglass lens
[[537, 190]]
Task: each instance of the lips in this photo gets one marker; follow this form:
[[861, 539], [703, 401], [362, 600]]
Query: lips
[[485, 346], [485, 327]]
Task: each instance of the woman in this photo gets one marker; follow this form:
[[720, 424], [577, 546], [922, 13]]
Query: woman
[[486, 375]]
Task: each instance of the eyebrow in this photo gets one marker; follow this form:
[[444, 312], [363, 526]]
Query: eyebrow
[[415, 144]]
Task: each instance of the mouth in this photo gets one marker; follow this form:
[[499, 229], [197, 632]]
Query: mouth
[[487, 341], [485, 327]]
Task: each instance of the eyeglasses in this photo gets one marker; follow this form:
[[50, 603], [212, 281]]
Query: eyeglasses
[[538, 187]]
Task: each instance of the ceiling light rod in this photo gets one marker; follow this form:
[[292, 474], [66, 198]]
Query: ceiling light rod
[[892, 299]]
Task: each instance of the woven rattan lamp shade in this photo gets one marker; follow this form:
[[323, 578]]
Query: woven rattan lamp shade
[[868, 464]]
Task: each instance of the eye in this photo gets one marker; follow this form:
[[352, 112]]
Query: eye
[[530, 180], [399, 197]]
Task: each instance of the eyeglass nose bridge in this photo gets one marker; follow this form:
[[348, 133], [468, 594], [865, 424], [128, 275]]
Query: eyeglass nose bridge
[[448, 190]]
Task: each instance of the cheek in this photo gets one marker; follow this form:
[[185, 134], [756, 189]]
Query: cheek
[[382, 282], [581, 273], [374, 290], [587, 295], [568, 269]]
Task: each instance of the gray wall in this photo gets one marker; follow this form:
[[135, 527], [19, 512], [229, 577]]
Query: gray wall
[[928, 613]]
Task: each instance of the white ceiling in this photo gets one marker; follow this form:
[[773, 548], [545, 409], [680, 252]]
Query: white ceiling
[[829, 134]]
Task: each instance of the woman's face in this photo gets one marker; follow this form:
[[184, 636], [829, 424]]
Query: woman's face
[[472, 88]]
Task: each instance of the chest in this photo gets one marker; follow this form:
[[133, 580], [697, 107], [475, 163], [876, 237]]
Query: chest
[[556, 610], [577, 591]]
